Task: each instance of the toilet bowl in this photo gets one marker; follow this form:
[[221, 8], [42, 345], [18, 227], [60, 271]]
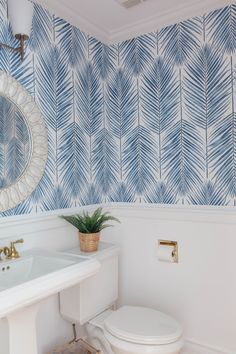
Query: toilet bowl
[[95, 337], [128, 330], [135, 330]]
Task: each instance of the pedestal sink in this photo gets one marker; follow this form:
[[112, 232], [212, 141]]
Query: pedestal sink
[[25, 282]]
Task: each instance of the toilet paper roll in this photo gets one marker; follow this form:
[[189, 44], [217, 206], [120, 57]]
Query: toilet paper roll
[[165, 253]]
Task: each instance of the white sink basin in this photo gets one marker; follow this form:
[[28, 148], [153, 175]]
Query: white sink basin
[[39, 274], [13, 273], [26, 281]]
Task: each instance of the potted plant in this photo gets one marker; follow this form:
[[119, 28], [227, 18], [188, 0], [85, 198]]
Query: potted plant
[[89, 227]]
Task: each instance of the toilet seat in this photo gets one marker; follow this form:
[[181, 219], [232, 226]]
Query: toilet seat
[[142, 325], [124, 347]]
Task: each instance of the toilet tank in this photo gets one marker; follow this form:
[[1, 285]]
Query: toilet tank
[[82, 302]]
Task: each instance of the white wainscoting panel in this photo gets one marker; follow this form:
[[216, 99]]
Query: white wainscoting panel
[[46, 231], [200, 291]]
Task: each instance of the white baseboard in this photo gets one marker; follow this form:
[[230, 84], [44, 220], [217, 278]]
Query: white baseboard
[[193, 347]]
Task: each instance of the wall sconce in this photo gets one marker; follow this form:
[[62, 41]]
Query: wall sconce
[[20, 13]]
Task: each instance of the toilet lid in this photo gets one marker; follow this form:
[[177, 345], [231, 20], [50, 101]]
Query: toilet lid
[[143, 325]]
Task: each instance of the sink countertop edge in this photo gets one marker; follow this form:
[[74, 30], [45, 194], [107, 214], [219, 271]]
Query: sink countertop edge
[[58, 280]]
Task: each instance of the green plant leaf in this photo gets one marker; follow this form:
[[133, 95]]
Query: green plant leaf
[[93, 223]]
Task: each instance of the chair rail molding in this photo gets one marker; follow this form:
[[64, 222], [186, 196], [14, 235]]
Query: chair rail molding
[[26, 224]]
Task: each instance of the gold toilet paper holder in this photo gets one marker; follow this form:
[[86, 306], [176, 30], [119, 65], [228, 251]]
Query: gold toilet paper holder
[[174, 244]]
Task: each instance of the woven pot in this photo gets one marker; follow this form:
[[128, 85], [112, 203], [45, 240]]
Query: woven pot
[[89, 242]]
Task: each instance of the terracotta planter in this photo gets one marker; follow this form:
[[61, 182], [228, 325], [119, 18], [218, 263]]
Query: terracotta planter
[[89, 242]]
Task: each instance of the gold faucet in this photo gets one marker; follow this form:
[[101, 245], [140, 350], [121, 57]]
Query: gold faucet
[[11, 252]]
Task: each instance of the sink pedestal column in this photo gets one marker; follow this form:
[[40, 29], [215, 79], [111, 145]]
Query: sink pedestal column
[[22, 330]]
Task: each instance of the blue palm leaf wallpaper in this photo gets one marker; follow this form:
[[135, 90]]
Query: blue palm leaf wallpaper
[[221, 28], [72, 42], [179, 42], [148, 120]]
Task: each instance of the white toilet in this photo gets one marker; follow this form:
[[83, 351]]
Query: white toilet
[[128, 330]]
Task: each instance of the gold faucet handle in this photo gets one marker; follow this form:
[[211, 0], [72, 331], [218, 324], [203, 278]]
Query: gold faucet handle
[[6, 251], [13, 252], [18, 241]]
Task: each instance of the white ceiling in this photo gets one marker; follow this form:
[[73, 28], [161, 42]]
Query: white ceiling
[[110, 23]]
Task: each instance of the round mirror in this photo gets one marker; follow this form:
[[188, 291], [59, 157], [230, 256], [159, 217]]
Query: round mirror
[[23, 143], [15, 144]]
